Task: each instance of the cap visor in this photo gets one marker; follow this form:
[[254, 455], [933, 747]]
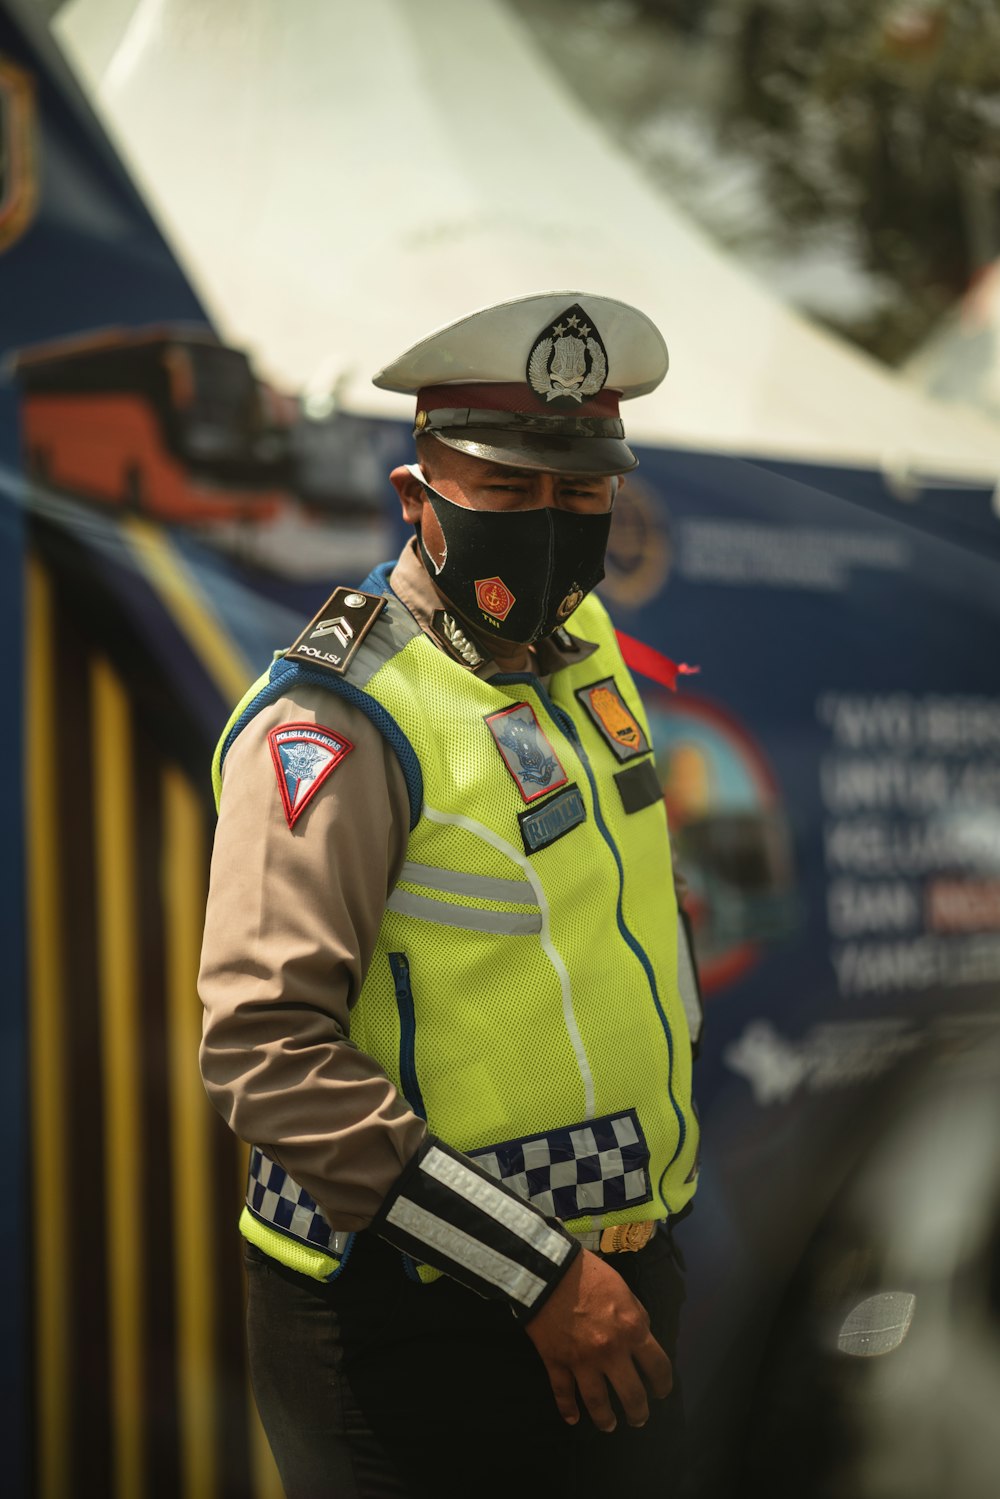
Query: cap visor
[[542, 450]]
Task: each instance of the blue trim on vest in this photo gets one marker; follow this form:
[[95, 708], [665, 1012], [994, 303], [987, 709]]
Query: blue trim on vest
[[285, 674], [566, 723], [407, 1033], [377, 580]]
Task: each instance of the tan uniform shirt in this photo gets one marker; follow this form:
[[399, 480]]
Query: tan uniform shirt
[[292, 921]]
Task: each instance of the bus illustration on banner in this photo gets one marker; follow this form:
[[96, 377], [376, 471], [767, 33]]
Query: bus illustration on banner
[[167, 422]]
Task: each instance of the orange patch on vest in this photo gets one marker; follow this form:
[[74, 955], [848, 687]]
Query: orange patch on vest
[[615, 717]]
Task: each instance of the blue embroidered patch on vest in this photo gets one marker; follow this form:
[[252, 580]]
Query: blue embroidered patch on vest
[[543, 825], [599, 1166], [527, 753]]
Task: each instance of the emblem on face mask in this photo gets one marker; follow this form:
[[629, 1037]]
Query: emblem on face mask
[[572, 601], [494, 597], [568, 360]]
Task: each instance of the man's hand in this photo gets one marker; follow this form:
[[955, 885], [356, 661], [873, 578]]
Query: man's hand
[[592, 1333]]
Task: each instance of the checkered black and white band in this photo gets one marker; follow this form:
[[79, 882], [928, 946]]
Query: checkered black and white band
[[275, 1199], [599, 1166], [447, 1212]]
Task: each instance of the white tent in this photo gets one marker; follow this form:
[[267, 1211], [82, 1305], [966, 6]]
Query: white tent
[[960, 361], [339, 178]]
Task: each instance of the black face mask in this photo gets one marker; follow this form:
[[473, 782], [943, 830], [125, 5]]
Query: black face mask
[[517, 574]]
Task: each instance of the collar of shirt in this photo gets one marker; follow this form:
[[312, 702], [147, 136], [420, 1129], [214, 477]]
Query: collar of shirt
[[410, 582]]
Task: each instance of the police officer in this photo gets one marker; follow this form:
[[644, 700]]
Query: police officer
[[440, 963]]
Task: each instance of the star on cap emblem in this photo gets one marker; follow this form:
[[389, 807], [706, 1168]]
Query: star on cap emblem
[[568, 362]]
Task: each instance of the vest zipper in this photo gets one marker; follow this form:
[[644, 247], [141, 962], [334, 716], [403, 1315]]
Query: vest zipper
[[564, 722], [399, 964]]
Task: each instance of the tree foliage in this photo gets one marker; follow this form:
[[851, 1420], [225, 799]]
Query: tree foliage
[[871, 131]]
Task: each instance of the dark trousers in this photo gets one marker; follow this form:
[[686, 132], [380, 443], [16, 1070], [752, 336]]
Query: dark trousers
[[378, 1387]]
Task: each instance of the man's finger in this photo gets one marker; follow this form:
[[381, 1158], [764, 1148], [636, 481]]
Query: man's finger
[[656, 1367], [631, 1392], [564, 1390], [594, 1394]]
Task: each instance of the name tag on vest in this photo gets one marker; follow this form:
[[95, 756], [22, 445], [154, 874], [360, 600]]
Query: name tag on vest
[[543, 825]]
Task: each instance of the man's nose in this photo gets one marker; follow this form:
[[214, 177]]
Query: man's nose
[[546, 492]]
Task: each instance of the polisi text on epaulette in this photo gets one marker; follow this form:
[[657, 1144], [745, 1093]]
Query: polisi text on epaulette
[[332, 620]]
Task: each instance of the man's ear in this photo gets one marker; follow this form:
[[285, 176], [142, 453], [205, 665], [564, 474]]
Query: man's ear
[[411, 494]]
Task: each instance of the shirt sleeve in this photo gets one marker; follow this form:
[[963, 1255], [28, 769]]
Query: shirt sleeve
[[292, 921], [291, 924]]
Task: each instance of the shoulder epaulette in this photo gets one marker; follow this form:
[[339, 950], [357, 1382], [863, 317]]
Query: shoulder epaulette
[[329, 654], [331, 638]]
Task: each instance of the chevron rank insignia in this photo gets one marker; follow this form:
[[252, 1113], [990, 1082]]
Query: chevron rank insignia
[[332, 638], [304, 754]]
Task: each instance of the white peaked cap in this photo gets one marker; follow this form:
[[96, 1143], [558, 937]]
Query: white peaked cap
[[494, 343], [535, 382]]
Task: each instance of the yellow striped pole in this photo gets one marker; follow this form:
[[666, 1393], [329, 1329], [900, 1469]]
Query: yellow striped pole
[[191, 1153], [121, 994], [197, 1359], [47, 1044], [184, 912]]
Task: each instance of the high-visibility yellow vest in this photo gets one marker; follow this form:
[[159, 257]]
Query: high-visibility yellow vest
[[523, 994]]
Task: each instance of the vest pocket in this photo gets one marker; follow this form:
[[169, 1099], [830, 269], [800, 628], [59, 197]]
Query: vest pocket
[[284, 1222], [400, 968]]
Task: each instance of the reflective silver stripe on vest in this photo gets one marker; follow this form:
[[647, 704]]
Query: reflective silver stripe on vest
[[461, 820], [426, 908], [483, 886]]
